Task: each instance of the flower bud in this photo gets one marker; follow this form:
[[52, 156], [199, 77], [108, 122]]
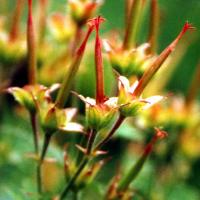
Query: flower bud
[[82, 10], [49, 120], [131, 62], [61, 27], [99, 116]]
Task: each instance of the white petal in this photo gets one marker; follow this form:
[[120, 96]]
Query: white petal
[[72, 127], [106, 46], [70, 113], [152, 100], [133, 87], [90, 101], [112, 102], [54, 87], [124, 82]]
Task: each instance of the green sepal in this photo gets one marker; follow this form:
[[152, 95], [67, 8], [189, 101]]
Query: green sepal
[[23, 97], [98, 117]]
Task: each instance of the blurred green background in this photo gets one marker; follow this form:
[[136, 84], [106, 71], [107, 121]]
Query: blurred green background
[[16, 171]]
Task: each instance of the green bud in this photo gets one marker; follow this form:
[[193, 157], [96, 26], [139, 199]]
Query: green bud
[[130, 62], [81, 11], [49, 120], [131, 109], [99, 116]]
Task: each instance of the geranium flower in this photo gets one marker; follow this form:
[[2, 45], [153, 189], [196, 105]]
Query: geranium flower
[[130, 105]]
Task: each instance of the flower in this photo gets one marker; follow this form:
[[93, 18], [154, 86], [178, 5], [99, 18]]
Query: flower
[[129, 62], [37, 98], [130, 105], [98, 116], [81, 11]]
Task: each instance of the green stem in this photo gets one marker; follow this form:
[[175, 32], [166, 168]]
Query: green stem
[[73, 179], [39, 167], [45, 147], [110, 134], [193, 88], [131, 175], [132, 24], [91, 140], [42, 20], [79, 156], [33, 118], [82, 165], [73, 68]]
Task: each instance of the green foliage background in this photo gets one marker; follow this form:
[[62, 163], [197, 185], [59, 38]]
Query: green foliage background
[[17, 172]]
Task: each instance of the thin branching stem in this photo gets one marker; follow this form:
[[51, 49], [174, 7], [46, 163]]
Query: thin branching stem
[[112, 131], [82, 165]]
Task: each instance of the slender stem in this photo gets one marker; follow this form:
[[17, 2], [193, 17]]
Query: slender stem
[[154, 21], [157, 63], [76, 40], [99, 66], [112, 131], [39, 167], [194, 87], [127, 10], [82, 165], [39, 179], [75, 195], [66, 85], [91, 139], [73, 179], [14, 33], [137, 167], [33, 118], [45, 146], [79, 156], [31, 45], [42, 20], [132, 24]]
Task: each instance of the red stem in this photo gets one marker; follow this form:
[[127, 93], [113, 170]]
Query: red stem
[[153, 25], [156, 64], [14, 33], [99, 67], [31, 45]]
